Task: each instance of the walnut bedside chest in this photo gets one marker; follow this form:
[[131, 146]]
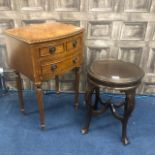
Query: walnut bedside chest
[[42, 51]]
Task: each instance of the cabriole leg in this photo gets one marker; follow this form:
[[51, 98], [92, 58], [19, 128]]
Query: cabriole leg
[[97, 91], [128, 108], [88, 96]]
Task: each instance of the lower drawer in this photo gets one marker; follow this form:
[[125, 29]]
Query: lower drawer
[[51, 69]]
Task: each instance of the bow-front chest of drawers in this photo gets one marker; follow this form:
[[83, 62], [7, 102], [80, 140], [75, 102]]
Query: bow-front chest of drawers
[[42, 51]]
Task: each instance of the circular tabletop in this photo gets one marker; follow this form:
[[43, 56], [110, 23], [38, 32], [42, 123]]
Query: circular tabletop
[[115, 71]]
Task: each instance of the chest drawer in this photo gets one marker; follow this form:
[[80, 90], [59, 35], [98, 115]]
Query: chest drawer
[[51, 50], [73, 43], [51, 69]]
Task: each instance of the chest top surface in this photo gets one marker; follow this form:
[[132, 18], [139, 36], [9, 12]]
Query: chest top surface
[[43, 32]]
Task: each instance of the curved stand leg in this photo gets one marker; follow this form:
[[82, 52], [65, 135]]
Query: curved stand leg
[[20, 92], [97, 90], [39, 95], [89, 111], [77, 83], [128, 108]]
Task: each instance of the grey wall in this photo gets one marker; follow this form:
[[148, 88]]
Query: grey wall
[[120, 29]]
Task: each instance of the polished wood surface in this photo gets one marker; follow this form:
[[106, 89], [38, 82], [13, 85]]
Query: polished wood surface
[[116, 72], [43, 32], [43, 51]]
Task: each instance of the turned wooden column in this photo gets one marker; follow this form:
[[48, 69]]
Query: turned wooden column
[[19, 85], [39, 95]]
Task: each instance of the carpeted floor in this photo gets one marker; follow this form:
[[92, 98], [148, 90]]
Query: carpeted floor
[[20, 134]]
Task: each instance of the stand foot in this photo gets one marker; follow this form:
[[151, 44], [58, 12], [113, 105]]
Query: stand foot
[[58, 92], [84, 130], [125, 141], [42, 126], [22, 110]]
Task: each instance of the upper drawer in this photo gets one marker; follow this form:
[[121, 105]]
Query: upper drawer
[[73, 43], [52, 49]]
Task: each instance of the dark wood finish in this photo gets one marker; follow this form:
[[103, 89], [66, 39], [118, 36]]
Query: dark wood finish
[[20, 93], [128, 108], [113, 74], [77, 82], [39, 95], [43, 51], [57, 84]]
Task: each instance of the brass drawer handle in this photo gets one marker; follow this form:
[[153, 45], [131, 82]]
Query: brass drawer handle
[[53, 67], [52, 50], [75, 60], [75, 43]]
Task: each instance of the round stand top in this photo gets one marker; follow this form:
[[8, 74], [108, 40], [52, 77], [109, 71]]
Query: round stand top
[[115, 71]]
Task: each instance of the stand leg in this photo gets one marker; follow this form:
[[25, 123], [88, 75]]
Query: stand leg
[[57, 84], [128, 108], [97, 90], [89, 111], [39, 95], [77, 83], [20, 92]]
